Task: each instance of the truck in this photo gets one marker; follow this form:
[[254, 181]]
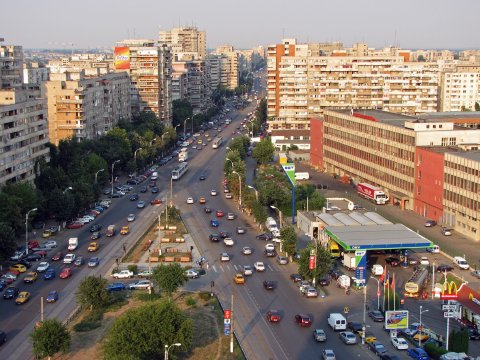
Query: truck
[[349, 261], [183, 156], [333, 249], [371, 192], [111, 230], [344, 281], [72, 244], [302, 176], [416, 283]]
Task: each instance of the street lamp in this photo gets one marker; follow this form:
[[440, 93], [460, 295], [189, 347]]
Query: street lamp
[[420, 326], [279, 214], [378, 291], [135, 155], [68, 188], [96, 174], [26, 228], [167, 349], [185, 128], [152, 141], [256, 191], [231, 162], [240, 189], [113, 165]]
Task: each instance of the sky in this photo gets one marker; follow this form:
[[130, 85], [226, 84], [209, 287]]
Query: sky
[[410, 24]]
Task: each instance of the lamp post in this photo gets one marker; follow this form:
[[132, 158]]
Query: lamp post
[[279, 214], [167, 349], [256, 191], [364, 327], [185, 128], [68, 188], [26, 228], [240, 189], [378, 291], [192, 125], [420, 326], [231, 162], [113, 166], [135, 158], [96, 174]]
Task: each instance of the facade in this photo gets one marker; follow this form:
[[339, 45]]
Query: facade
[[11, 66], [34, 74], [191, 84], [91, 64], [213, 69], [84, 108], [185, 39], [283, 139], [150, 69], [229, 76], [460, 88]]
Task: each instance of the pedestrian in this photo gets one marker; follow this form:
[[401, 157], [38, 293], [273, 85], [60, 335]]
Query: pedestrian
[[207, 265]]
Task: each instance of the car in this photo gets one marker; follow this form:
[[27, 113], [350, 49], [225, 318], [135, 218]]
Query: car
[[93, 246], [282, 260], [418, 354], [141, 204], [259, 266], [219, 213], [424, 261], [202, 200], [213, 192], [421, 336], [145, 274], [296, 278], [125, 230], [224, 257], [270, 253], [40, 252], [74, 225], [65, 273], [49, 274], [275, 233], [446, 231], [247, 270], [47, 233], [69, 258], [443, 268], [228, 241], [123, 274], [247, 250], [79, 261], [269, 285], [117, 286], [208, 210], [226, 190], [239, 279], [319, 335], [52, 296], [355, 327], [31, 277], [143, 189], [230, 216], [388, 356], [214, 237], [476, 273], [17, 268], [229, 195], [93, 261], [191, 274], [303, 320], [156, 202], [328, 354], [17, 256], [393, 261], [32, 244], [22, 298], [430, 223], [140, 285], [265, 236], [10, 293], [50, 244], [33, 257], [473, 334], [154, 190], [133, 197], [57, 256], [190, 200], [310, 292], [214, 223], [273, 316], [399, 343], [270, 247], [348, 337], [202, 177], [95, 228], [369, 336], [240, 230], [131, 217], [43, 266], [324, 281], [377, 348], [376, 315]]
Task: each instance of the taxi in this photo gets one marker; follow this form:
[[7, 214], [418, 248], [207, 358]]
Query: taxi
[[19, 268], [30, 277], [93, 246], [239, 279], [22, 297], [202, 200], [125, 230]]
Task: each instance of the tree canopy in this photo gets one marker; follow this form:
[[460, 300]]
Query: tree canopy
[[50, 338], [289, 239], [324, 262], [92, 292], [169, 277], [263, 152]]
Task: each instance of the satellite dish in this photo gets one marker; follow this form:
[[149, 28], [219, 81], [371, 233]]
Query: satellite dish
[[351, 206]]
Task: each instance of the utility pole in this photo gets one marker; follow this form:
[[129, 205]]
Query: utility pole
[[231, 328]]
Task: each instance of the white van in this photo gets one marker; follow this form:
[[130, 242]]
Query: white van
[[271, 224], [461, 262], [302, 176], [154, 176], [337, 322]]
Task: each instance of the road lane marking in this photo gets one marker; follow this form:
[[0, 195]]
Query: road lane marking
[[214, 268], [271, 269]]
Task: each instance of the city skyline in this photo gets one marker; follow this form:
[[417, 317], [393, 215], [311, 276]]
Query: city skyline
[[415, 25]]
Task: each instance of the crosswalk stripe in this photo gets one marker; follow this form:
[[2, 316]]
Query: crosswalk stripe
[[271, 269], [235, 267], [214, 268]]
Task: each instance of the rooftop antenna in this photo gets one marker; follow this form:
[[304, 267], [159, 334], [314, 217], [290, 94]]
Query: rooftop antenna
[[134, 36]]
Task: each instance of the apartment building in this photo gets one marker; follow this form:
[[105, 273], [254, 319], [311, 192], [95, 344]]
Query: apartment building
[[185, 39], [11, 66], [213, 70], [191, 84], [460, 87], [82, 107], [150, 69], [33, 73], [229, 76], [91, 64]]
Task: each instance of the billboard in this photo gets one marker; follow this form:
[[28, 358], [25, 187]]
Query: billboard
[[449, 291], [289, 169], [396, 319], [121, 58]]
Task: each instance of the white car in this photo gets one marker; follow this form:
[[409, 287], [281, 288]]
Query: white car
[[247, 270], [228, 241], [229, 195], [131, 217], [224, 257], [259, 266], [83, 220], [191, 274], [270, 247], [328, 354], [190, 200], [49, 244], [140, 285], [43, 266], [213, 192], [230, 216], [247, 250], [276, 233], [69, 258], [399, 343], [311, 292], [424, 261], [124, 274]]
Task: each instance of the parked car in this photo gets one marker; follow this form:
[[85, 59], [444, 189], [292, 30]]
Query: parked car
[[33, 257], [430, 223], [376, 316], [116, 287], [399, 343], [191, 274], [443, 268], [355, 327], [296, 277], [418, 354], [123, 274], [140, 285], [377, 348]]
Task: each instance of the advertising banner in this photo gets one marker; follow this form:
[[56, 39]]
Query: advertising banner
[[121, 58], [289, 169], [311, 263], [396, 319]]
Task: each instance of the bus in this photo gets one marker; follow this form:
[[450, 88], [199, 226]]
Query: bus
[[179, 171], [217, 142]]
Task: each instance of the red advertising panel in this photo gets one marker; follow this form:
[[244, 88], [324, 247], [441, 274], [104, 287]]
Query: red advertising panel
[[311, 263], [227, 314], [122, 58]]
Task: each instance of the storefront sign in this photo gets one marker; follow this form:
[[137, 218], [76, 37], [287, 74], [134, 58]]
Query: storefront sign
[[311, 263], [449, 291]]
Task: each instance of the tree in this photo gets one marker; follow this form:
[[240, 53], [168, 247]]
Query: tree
[[421, 58], [169, 277], [289, 239], [92, 292], [7, 241], [11, 212], [142, 333], [263, 152], [324, 262], [181, 110], [477, 106], [50, 338]]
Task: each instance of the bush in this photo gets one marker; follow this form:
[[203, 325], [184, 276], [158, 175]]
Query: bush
[[147, 296], [205, 296], [90, 322], [190, 301], [434, 351], [133, 268]]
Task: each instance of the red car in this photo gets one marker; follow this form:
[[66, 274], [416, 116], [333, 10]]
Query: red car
[[220, 213], [273, 316], [303, 320], [74, 225], [66, 273], [57, 256], [33, 244], [155, 202], [42, 253]]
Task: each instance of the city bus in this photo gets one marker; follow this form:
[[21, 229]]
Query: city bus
[[217, 142], [179, 171]]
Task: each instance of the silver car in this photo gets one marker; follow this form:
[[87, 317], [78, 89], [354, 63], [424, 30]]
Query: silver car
[[348, 337], [140, 285], [282, 260]]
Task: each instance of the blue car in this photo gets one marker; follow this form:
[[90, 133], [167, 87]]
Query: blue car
[[94, 261], [49, 274], [100, 208], [418, 354], [214, 223], [116, 287], [52, 296]]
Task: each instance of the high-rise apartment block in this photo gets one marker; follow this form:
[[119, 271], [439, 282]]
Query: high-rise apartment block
[[33, 73], [460, 87], [189, 82], [185, 39], [228, 58], [90, 64], [150, 69]]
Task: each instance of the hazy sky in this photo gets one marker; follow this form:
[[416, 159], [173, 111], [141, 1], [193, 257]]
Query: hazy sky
[[410, 24]]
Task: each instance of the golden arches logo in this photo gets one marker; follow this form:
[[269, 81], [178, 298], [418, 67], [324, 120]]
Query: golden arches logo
[[448, 287]]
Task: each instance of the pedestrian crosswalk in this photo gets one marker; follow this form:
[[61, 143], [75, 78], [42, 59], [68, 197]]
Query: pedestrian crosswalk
[[239, 268]]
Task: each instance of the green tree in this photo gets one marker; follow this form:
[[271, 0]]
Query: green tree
[[458, 341], [263, 152], [421, 58], [142, 333], [259, 212], [50, 338], [181, 110], [11, 212], [92, 292], [289, 239], [24, 193], [308, 192], [240, 144], [324, 262], [7, 241], [477, 106], [169, 277]]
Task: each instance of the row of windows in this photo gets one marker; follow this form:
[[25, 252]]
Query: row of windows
[[473, 186], [462, 168], [464, 201]]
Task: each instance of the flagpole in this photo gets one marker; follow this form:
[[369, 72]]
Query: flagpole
[[384, 273], [388, 289], [393, 288]]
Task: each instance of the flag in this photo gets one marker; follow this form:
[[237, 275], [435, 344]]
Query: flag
[[392, 284], [387, 280], [382, 277]]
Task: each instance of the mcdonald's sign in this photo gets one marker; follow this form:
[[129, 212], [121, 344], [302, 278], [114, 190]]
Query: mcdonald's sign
[[449, 291]]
